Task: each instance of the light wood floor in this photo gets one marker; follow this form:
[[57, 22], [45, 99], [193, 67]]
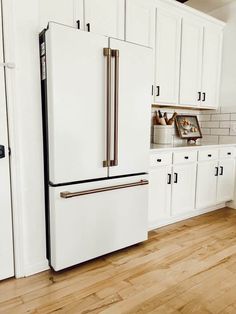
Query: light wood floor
[[189, 267]]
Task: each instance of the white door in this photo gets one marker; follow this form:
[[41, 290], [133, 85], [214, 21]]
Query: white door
[[105, 17], [207, 175], [226, 180], [76, 104], [191, 62], [6, 241], [211, 66], [168, 33], [94, 223], [135, 81], [140, 22], [159, 194], [183, 188], [66, 12]]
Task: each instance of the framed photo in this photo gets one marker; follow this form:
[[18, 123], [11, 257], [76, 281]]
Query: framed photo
[[188, 127]]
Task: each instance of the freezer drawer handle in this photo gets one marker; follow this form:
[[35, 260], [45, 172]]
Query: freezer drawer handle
[[105, 189]]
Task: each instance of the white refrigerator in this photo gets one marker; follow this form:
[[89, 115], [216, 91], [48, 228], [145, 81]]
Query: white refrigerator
[[96, 96]]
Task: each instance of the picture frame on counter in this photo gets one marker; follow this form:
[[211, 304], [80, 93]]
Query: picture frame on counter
[[188, 127]]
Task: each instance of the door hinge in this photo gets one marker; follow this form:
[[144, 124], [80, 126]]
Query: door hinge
[[8, 65], [9, 151]]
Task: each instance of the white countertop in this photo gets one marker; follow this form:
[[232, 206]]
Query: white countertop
[[158, 148]]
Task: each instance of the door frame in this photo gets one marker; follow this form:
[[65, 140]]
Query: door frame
[[14, 139]]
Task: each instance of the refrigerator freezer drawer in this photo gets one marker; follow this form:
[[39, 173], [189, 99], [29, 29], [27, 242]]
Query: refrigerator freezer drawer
[[92, 219]]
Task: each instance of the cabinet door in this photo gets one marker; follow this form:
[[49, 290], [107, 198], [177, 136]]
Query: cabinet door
[[6, 241], [168, 32], [183, 188], [226, 180], [140, 22], [211, 66], [64, 11], [159, 194], [206, 184], [191, 62], [105, 17]]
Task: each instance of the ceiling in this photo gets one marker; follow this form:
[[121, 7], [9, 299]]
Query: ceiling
[[207, 5]]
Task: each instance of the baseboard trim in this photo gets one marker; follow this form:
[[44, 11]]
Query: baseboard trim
[[172, 220], [34, 269]]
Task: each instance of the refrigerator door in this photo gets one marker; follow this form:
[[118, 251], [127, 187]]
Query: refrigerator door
[[94, 219], [76, 104], [132, 81]]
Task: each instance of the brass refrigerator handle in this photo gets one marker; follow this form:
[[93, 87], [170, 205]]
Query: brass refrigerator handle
[[116, 54], [67, 195], [107, 52]]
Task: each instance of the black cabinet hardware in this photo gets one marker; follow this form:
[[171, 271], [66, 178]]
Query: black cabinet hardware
[[229, 153], [88, 27], [176, 177], [2, 151], [152, 90], [204, 97], [78, 24], [217, 171], [221, 171], [158, 91], [209, 155], [186, 157], [159, 160], [199, 96], [169, 179]]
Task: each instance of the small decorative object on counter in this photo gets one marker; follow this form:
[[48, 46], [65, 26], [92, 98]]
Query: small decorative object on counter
[[163, 128], [188, 127]]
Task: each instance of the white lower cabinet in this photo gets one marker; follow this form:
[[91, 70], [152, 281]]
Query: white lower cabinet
[[160, 193], [183, 188], [187, 183], [206, 184], [225, 187]]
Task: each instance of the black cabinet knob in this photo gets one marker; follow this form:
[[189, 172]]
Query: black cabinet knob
[[158, 160], [209, 155], [186, 157]]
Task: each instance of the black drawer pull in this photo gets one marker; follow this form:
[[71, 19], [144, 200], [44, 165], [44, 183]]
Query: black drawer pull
[[209, 155], [186, 157], [229, 153], [176, 177], [169, 179], [159, 160], [78, 24]]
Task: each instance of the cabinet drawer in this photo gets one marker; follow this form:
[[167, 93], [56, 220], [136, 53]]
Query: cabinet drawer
[[208, 154], [227, 152], [160, 159], [185, 157]]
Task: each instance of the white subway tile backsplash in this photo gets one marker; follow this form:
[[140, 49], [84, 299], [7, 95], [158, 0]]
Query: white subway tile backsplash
[[227, 140], [210, 139], [205, 117], [220, 131], [206, 131], [225, 124], [220, 117], [210, 124], [233, 116]]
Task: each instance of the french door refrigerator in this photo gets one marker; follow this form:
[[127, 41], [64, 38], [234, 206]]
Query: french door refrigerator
[[96, 95]]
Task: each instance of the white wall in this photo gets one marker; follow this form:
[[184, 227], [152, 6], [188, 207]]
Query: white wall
[[228, 81], [24, 107]]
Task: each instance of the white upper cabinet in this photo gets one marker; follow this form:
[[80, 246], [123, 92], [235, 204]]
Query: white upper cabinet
[[66, 12], [191, 62], [211, 68], [105, 17], [140, 22], [168, 35]]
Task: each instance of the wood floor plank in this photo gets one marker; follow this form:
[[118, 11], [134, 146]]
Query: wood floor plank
[[187, 267]]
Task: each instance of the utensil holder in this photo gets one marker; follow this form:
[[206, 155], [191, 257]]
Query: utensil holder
[[163, 134]]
